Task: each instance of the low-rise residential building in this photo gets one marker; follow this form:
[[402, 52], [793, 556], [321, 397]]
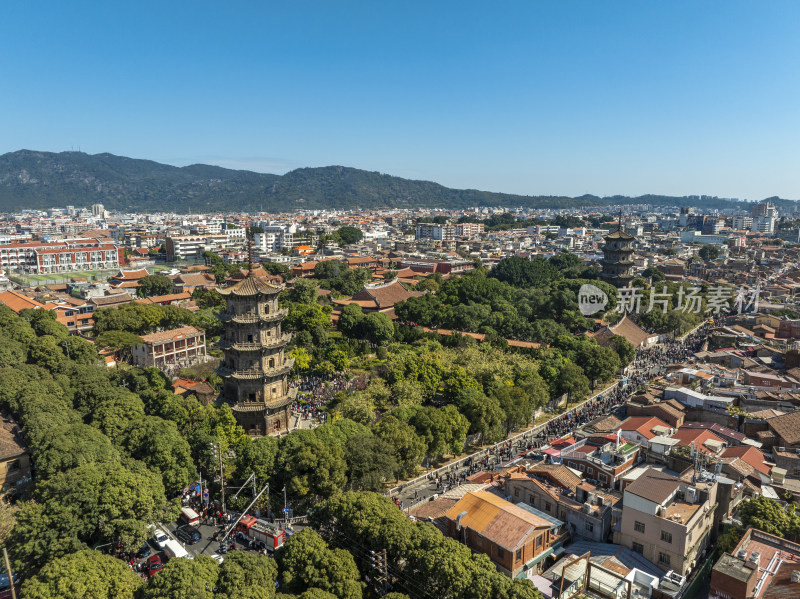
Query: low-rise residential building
[[586, 511], [15, 463], [762, 566], [667, 519], [602, 465], [177, 347], [515, 539]]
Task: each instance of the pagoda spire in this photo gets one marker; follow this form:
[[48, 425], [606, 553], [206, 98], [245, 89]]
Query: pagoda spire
[[249, 253]]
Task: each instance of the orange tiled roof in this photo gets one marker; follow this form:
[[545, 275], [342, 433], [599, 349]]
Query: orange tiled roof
[[17, 301]]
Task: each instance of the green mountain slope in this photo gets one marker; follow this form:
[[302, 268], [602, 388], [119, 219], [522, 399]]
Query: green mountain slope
[[30, 179]]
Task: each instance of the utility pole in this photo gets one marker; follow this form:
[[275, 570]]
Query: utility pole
[[217, 449], [10, 575], [380, 565], [285, 508]]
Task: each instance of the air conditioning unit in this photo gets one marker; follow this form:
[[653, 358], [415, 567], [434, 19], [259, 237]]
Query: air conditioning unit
[[691, 495], [742, 553], [587, 507], [754, 557], [660, 510]]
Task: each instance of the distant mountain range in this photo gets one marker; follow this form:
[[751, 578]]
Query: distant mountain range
[[39, 180]]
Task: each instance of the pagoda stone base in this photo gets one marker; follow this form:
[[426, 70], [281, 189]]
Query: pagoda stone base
[[265, 421]]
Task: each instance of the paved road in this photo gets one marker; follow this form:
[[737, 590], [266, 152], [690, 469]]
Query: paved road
[[422, 488]]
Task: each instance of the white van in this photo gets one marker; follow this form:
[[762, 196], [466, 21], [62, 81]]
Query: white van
[[174, 549]]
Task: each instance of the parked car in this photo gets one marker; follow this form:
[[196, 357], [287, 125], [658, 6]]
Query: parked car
[[144, 550], [154, 564], [188, 534], [159, 538]]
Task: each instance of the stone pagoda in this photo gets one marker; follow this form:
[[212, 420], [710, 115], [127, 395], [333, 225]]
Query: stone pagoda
[[618, 257], [255, 368]]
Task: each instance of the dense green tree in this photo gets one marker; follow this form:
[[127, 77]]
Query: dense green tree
[[516, 406], [157, 443], [184, 579], [309, 468], [107, 501], [306, 561], [154, 285], [257, 457], [407, 393], [409, 448], [70, 446], [303, 291], [244, 572], [573, 382], [486, 417], [86, 574], [709, 252], [208, 298], [370, 462], [116, 413], [770, 516], [598, 363], [42, 533], [349, 235], [12, 353], [350, 320], [46, 352], [624, 349]]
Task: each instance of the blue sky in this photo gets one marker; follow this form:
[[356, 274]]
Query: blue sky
[[560, 97]]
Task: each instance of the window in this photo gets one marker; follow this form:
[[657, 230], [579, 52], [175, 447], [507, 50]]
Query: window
[[663, 558], [603, 478], [589, 526], [581, 467], [666, 536], [516, 492], [638, 526], [531, 499], [539, 541], [272, 362], [500, 553], [251, 396], [13, 465], [546, 506], [638, 548], [249, 338], [519, 555], [266, 308]]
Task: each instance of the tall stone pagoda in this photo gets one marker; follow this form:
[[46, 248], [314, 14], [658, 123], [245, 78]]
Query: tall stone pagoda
[[618, 257], [255, 368]]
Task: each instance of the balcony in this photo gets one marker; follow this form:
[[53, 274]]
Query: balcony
[[251, 374], [252, 317], [269, 343]]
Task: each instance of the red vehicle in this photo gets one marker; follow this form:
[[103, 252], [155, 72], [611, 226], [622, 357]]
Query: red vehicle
[[260, 533], [154, 564]]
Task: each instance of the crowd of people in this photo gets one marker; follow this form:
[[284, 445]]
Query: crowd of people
[[315, 391]]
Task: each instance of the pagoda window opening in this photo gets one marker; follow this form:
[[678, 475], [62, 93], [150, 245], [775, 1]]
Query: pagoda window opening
[[251, 397], [272, 362]]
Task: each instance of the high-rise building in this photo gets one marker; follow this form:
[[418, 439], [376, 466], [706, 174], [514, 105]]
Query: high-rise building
[[254, 368], [765, 209], [98, 210]]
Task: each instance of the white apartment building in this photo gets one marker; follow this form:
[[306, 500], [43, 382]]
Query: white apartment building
[[764, 224], [742, 223], [180, 247]]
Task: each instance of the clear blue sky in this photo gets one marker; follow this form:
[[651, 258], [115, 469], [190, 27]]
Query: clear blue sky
[[558, 97]]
